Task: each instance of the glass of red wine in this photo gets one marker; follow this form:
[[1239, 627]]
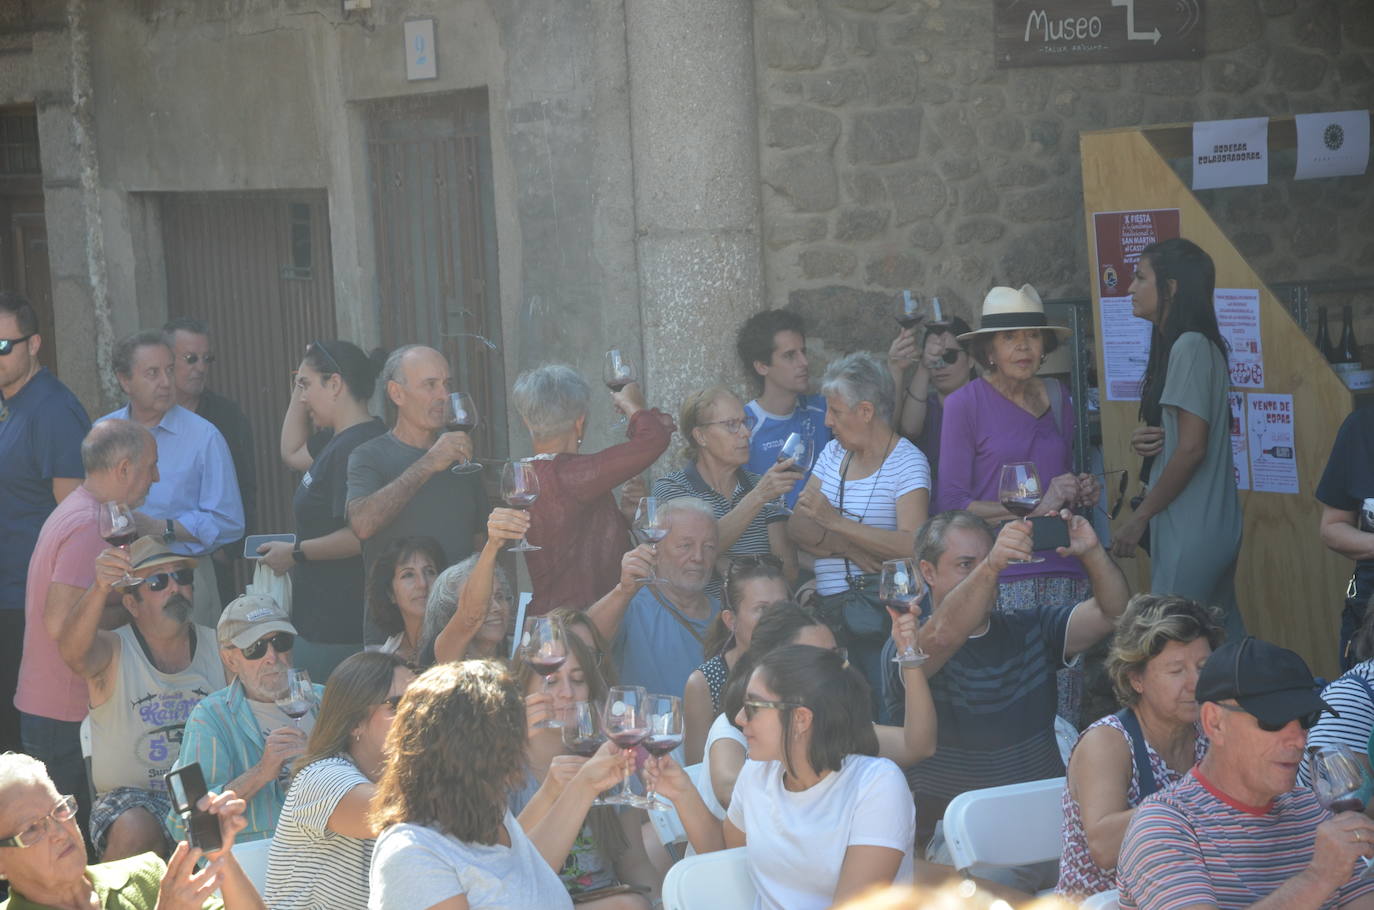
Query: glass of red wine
[[618, 372], [1339, 781], [665, 734], [299, 696], [582, 734], [460, 416], [900, 589], [627, 725], [546, 649], [650, 526], [1020, 492], [520, 488], [118, 529], [908, 310]]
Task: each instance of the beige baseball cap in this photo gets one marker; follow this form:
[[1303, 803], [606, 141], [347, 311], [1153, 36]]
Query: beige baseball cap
[[250, 617]]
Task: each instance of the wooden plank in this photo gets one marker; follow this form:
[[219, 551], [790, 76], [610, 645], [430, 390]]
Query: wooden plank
[[1289, 586]]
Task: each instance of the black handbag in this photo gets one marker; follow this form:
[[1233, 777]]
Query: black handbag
[[1146, 464], [855, 614]]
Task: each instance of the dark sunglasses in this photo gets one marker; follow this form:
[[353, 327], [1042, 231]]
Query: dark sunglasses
[[951, 355], [194, 359], [281, 642], [324, 352], [1306, 721], [161, 579], [8, 344]]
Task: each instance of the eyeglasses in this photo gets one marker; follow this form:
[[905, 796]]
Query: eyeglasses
[[324, 352], [753, 706], [160, 580], [732, 426], [393, 701], [281, 642], [8, 344], [194, 359], [1306, 721], [34, 832]]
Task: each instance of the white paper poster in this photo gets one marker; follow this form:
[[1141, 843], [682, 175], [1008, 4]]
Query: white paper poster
[[1332, 145], [1240, 452], [1230, 153], [1273, 459], [1238, 317], [421, 61], [1125, 349]]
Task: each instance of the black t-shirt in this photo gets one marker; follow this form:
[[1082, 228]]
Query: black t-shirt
[[327, 595], [1349, 480]]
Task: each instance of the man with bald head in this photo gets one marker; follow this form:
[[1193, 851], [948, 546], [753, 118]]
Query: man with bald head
[[399, 484]]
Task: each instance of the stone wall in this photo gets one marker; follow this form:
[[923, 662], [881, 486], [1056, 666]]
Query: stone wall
[[895, 155]]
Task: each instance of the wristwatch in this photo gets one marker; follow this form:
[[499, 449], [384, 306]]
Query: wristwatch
[[298, 554], [169, 535]]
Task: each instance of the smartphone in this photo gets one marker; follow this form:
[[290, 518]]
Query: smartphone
[[1048, 532], [253, 541], [186, 786]]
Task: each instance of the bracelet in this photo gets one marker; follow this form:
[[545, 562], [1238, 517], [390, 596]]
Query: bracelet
[[914, 398]]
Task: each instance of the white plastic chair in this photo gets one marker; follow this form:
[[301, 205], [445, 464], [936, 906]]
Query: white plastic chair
[[1107, 900], [252, 856], [87, 750], [710, 881], [1013, 825]]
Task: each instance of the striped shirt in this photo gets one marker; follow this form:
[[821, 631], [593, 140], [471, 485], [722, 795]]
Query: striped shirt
[[1191, 844], [311, 866], [1349, 696], [871, 500]]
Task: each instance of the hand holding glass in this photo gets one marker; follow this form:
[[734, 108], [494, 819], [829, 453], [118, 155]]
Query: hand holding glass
[[460, 416], [900, 589], [582, 734], [546, 649], [299, 696], [665, 734], [1020, 492], [118, 528], [618, 372], [626, 724], [650, 526], [520, 488]]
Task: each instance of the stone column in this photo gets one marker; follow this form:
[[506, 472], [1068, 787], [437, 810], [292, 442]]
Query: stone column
[[693, 137]]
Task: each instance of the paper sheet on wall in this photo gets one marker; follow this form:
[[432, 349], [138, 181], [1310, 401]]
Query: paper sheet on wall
[[1240, 452], [1125, 349], [1238, 317], [1120, 236], [1332, 145], [1273, 457], [1230, 153]]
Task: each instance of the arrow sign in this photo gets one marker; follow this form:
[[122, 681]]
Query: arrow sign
[[1131, 33], [1070, 32]]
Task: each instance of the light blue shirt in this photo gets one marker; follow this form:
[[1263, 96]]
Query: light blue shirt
[[771, 430], [197, 486], [654, 649]]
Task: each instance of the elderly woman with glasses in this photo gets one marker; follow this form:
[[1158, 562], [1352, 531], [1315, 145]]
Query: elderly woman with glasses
[[43, 855], [582, 531], [715, 434], [868, 494]]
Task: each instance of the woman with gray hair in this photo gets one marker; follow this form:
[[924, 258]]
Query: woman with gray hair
[[582, 531], [868, 494]]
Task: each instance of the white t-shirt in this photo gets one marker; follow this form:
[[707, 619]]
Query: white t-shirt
[[721, 729], [797, 841], [311, 866], [415, 867], [871, 501]]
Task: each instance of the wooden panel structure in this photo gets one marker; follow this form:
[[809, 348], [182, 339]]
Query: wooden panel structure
[[1290, 587]]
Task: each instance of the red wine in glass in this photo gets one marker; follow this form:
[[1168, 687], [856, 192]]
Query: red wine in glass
[[585, 746], [117, 527], [460, 427], [617, 385], [521, 501], [295, 709], [628, 739], [546, 666], [662, 745], [1351, 802], [122, 540], [1020, 506]]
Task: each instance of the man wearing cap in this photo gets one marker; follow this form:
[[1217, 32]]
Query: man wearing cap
[[241, 739], [1235, 832], [143, 678]]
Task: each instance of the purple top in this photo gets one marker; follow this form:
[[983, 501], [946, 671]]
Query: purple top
[[983, 430]]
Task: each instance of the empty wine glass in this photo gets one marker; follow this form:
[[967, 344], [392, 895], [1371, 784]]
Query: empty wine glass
[[901, 589], [665, 734], [798, 448], [582, 734], [1020, 492], [650, 526], [626, 725], [618, 372], [520, 488], [546, 649], [299, 696], [460, 416], [118, 528]]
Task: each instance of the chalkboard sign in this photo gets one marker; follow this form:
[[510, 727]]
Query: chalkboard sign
[[1062, 32]]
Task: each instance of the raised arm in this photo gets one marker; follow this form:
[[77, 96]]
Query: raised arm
[[553, 834], [587, 477], [451, 642], [914, 740], [1096, 617], [608, 612], [294, 446], [87, 650]]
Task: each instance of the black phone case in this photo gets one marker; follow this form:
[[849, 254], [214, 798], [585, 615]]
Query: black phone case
[[1048, 532], [202, 828]]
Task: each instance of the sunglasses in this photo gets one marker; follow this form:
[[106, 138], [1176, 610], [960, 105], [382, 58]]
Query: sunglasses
[[35, 831], [194, 359], [1306, 721], [753, 706], [393, 701], [8, 344], [160, 580], [951, 356], [281, 642]]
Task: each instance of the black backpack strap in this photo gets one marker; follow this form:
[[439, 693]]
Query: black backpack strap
[[1144, 773]]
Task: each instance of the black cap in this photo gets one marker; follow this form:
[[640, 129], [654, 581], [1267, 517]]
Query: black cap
[[1272, 683]]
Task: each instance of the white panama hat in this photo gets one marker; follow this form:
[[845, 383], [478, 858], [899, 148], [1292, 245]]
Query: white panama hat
[[1007, 309]]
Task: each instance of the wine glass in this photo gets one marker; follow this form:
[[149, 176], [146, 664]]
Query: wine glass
[[582, 734], [299, 696], [1020, 492], [900, 589], [546, 649], [650, 526], [1338, 781], [665, 734], [626, 724], [520, 488], [460, 416], [908, 310], [118, 529], [798, 448], [618, 372]]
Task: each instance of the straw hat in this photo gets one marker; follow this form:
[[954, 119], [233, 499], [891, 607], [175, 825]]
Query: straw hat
[[1007, 309], [150, 553]]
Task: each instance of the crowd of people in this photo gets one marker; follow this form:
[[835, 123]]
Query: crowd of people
[[739, 652]]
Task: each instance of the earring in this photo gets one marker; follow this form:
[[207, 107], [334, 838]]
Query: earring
[[1044, 357]]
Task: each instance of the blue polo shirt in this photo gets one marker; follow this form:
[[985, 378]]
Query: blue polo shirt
[[771, 430], [40, 439]]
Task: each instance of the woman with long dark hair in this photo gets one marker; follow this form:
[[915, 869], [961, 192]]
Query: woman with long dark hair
[[1191, 508]]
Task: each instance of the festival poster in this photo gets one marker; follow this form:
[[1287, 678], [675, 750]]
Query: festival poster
[[1238, 317], [1120, 237], [1273, 456], [1240, 452]]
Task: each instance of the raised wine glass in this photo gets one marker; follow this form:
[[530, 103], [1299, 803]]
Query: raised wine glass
[[665, 734], [627, 725], [798, 448], [118, 529], [650, 526], [1338, 781], [582, 734], [546, 649], [460, 416], [299, 696], [1019, 491], [907, 310], [520, 488], [618, 372], [900, 589]]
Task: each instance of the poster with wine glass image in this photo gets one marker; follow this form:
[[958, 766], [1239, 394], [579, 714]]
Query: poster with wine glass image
[[1273, 452]]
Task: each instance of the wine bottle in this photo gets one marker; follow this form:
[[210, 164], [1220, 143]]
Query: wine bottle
[[1347, 354], [1324, 337]]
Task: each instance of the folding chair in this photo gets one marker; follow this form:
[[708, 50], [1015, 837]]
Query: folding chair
[[710, 881], [1013, 825]]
